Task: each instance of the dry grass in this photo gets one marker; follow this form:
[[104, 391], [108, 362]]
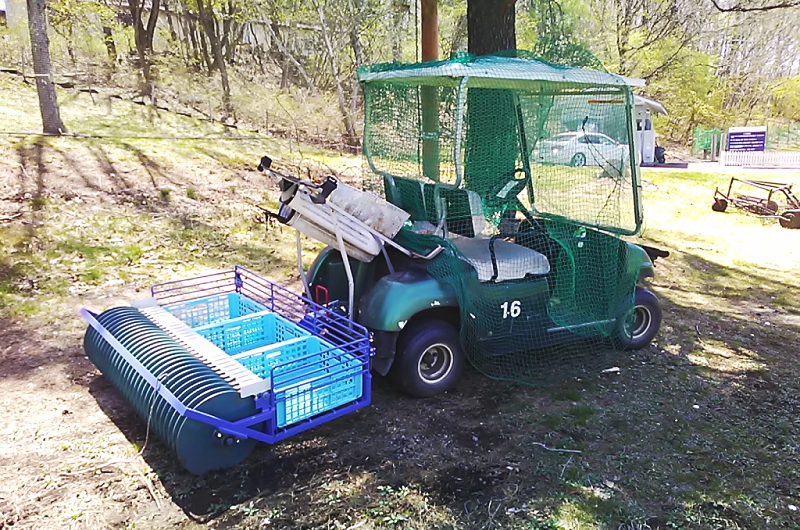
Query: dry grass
[[697, 432]]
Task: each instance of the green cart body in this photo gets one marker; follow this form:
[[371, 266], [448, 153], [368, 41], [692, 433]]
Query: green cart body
[[532, 256]]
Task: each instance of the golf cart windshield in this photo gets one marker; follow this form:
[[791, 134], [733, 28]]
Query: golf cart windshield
[[474, 140]]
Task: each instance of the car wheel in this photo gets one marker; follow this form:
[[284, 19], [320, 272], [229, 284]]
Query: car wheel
[[429, 358], [640, 325], [578, 160]]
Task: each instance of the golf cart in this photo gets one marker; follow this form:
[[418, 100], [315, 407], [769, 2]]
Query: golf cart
[[463, 243]]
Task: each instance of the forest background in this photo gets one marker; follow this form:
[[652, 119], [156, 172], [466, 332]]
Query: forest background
[[288, 67]]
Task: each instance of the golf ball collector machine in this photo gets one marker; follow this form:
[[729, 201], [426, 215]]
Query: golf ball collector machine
[[476, 266]]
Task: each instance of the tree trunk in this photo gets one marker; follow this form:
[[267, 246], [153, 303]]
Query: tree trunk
[[490, 26], [40, 48], [358, 8], [202, 40], [290, 58], [459, 34], [143, 37], [350, 130], [491, 148], [111, 46], [208, 20], [396, 28]]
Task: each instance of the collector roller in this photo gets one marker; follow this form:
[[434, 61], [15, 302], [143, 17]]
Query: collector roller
[[198, 362], [199, 446]]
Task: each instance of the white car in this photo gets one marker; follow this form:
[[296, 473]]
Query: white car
[[582, 149]]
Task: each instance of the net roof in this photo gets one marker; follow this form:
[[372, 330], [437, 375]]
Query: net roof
[[524, 172], [491, 71]]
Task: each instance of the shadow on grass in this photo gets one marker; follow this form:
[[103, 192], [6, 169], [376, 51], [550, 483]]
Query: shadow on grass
[[469, 453], [387, 442], [94, 170], [152, 167], [648, 455]]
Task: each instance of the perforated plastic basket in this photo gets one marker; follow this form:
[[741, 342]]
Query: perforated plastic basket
[[213, 309], [309, 377], [251, 331], [312, 377]]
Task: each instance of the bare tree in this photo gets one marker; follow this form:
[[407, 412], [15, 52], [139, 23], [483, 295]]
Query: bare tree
[[209, 23], [284, 50], [349, 124], [738, 7], [40, 47], [143, 37]]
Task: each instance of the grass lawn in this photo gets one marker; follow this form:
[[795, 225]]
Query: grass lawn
[[698, 431]]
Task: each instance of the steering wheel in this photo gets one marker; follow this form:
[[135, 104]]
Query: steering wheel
[[511, 186]]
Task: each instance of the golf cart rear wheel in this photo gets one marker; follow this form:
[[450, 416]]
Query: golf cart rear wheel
[[578, 160], [429, 358], [790, 219], [641, 324]]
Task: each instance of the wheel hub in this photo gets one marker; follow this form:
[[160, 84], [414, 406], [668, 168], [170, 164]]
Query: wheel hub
[[640, 322], [435, 363]]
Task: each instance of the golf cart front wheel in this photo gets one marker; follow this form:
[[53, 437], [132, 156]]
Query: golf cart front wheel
[[429, 358], [641, 324], [578, 160]]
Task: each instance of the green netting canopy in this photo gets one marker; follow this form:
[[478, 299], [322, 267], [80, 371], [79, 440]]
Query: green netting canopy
[[525, 172]]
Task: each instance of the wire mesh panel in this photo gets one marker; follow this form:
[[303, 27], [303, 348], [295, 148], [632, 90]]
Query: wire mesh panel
[[525, 173]]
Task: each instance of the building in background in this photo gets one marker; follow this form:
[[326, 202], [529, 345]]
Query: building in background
[[645, 133], [16, 12]]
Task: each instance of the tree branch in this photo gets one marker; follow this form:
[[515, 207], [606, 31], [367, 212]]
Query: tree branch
[[769, 7]]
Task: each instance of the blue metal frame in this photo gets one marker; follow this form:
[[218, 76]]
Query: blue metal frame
[[350, 343]]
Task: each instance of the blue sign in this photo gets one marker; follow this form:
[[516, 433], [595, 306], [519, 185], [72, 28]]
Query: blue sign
[[747, 139]]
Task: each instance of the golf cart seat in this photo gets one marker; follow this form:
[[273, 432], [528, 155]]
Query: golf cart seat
[[514, 262], [464, 221]]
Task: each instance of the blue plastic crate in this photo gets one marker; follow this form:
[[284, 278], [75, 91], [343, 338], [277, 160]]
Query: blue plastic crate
[[317, 362], [251, 331], [309, 377], [214, 309]]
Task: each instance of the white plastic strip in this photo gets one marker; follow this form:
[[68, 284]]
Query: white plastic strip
[[243, 380]]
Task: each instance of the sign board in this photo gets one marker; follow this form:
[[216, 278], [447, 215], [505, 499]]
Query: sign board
[[747, 139]]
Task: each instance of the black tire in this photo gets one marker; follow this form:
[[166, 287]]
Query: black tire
[[790, 219], [429, 358], [720, 205], [639, 327], [578, 160]]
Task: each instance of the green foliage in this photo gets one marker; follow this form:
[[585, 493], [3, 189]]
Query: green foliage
[[689, 90], [551, 31], [786, 98], [709, 68]]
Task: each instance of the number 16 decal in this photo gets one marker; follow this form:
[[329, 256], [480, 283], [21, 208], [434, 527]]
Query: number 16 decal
[[513, 310]]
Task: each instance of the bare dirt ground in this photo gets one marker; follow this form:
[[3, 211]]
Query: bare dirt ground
[[699, 430]]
